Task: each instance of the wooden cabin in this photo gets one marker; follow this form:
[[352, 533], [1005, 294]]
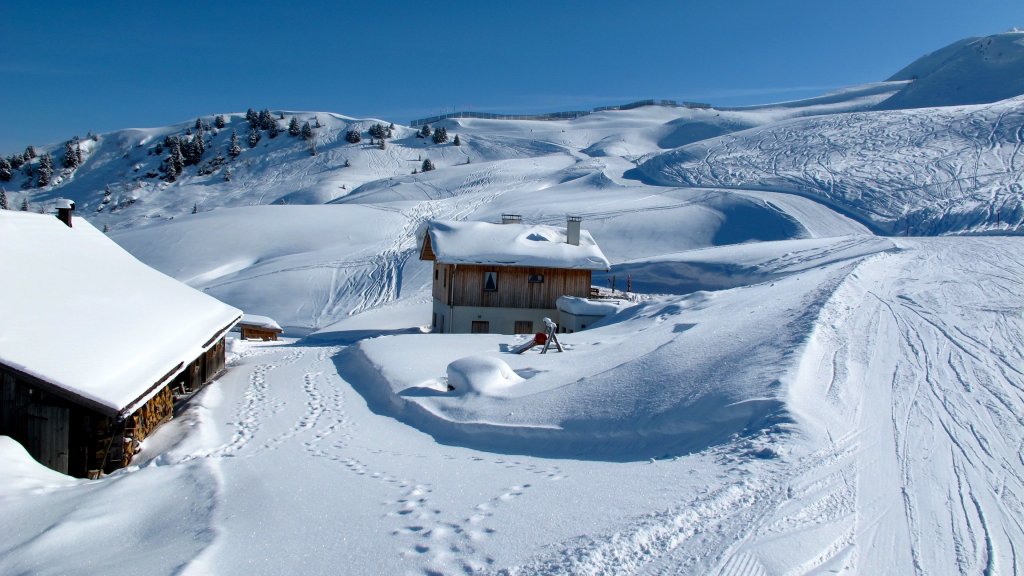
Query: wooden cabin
[[253, 327], [84, 376], [506, 278]]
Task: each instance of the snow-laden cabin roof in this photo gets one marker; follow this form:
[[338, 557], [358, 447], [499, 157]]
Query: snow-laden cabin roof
[[93, 323], [510, 245], [260, 322]]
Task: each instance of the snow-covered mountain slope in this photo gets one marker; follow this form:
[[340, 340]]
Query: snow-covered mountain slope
[[120, 183], [922, 172], [969, 71], [304, 266]]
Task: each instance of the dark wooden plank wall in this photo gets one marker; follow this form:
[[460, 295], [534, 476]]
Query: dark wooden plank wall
[[514, 288], [258, 333], [65, 436], [51, 430]]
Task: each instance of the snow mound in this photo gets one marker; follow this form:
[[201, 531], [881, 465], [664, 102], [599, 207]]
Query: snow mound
[[19, 472], [969, 71], [481, 375]]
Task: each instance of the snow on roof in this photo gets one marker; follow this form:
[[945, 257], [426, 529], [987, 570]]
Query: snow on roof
[[512, 245], [260, 322], [83, 315]]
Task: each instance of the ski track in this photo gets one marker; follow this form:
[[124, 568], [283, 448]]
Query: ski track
[[940, 485], [941, 171]]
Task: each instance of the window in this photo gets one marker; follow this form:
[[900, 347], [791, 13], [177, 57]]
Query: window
[[490, 281], [480, 327], [524, 327], [536, 279]]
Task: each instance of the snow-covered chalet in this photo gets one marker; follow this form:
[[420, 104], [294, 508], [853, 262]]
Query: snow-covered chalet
[[94, 345], [506, 278]]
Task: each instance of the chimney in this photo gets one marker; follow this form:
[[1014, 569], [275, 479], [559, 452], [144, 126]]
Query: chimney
[[511, 219], [572, 230], [64, 209]]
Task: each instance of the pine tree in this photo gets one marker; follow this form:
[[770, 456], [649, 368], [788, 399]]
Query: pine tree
[[70, 155], [16, 161], [293, 127], [381, 145], [251, 117], [193, 150], [218, 121], [377, 131], [254, 136], [347, 163], [106, 228], [353, 137], [45, 169], [424, 132], [307, 131], [457, 142], [195, 208], [227, 174], [199, 125], [233, 148], [266, 119], [6, 171], [273, 129], [427, 165], [177, 156], [30, 153], [3, 200], [441, 135], [24, 204], [175, 162], [79, 157]]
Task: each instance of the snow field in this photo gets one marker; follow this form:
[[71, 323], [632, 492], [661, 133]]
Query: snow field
[[791, 394]]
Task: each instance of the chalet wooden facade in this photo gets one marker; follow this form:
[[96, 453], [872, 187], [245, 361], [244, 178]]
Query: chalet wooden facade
[[83, 376], [505, 278]]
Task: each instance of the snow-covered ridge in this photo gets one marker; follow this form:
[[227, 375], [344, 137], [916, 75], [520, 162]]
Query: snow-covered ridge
[[969, 71], [921, 172]]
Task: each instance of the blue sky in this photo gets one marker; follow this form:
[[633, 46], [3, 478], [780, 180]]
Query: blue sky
[[72, 67]]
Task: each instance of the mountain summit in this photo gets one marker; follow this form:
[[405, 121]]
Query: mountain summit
[[969, 71]]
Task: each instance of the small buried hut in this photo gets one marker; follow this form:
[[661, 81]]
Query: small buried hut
[[254, 327], [94, 345]]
